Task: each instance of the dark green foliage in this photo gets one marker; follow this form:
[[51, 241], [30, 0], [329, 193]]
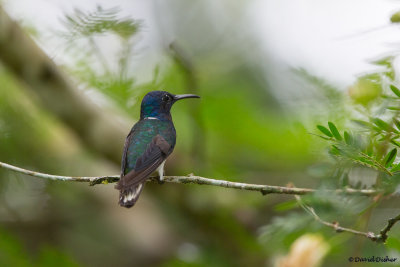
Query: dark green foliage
[[395, 168], [375, 141], [324, 130], [397, 123], [348, 138], [382, 125], [363, 123], [390, 157], [334, 131], [13, 253], [395, 90]]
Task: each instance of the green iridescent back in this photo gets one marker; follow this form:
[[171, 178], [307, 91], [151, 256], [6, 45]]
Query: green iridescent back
[[142, 134]]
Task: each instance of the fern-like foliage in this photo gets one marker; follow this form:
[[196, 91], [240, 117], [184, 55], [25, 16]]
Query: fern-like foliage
[[86, 33], [373, 136], [100, 21]]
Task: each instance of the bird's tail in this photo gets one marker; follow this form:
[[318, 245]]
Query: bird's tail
[[129, 195]]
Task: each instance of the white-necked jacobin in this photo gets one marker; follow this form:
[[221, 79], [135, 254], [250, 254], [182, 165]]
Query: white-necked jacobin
[[147, 146]]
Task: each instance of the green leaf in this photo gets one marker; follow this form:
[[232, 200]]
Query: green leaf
[[397, 123], [395, 143], [287, 205], [324, 130], [370, 150], [363, 123], [386, 61], [395, 168], [335, 151], [393, 108], [334, 131], [395, 18], [389, 158], [381, 124], [366, 160], [348, 138], [395, 90]]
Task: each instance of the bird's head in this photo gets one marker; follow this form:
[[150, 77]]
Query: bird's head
[[157, 104]]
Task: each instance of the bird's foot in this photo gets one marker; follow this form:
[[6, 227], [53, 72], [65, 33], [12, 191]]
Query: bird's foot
[[160, 180]]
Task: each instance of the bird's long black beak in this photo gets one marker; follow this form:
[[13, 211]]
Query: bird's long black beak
[[179, 97]]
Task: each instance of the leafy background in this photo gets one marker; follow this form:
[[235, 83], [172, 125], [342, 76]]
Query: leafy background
[[240, 130]]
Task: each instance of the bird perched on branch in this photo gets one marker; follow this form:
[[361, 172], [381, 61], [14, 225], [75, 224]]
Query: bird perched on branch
[[147, 146]]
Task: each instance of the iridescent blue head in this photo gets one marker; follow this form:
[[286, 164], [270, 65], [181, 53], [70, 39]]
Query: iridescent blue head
[[157, 104]]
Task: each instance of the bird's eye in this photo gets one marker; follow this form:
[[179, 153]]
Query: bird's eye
[[166, 98]]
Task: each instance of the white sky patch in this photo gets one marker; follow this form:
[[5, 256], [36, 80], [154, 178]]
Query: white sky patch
[[309, 34]]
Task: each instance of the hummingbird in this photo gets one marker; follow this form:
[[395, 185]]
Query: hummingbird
[[150, 141]]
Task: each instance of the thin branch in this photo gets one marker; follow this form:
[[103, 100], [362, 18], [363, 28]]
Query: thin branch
[[335, 225], [383, 233], [264, 189], [192, 179]]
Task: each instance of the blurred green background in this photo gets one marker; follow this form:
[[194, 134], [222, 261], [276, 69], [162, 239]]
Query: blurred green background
[[251, 125]]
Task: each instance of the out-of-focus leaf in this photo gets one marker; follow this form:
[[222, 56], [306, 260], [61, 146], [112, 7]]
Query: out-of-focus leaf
[[348, 138], [370, 149], [395, 18], [381, 124], [366, 89], [390, 157], [393, 243], [324, 130], [335, 150], [100, 21], [50, 257], [366, 161], [395, 168], [386, 61], [334, 131], [395, 143], [397, 123], [364, 124], [395, 90], [12, 252], [287, 205], [284, 230], [393, 108]]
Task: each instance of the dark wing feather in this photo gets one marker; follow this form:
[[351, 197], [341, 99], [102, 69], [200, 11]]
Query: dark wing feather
[[156, 152], [124, 155], [157, 149]]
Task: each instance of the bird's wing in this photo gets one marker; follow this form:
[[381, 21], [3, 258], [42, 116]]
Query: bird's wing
[[156, 152], [124, 155]]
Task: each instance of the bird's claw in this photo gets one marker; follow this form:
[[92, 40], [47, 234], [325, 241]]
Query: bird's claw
[[160, 181]]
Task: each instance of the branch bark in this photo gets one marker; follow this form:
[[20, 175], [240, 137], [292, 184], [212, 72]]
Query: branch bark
[[192, 179]]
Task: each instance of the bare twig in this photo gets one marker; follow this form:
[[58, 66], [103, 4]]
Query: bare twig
[[381, 237], [383, 233], [192, 179]]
